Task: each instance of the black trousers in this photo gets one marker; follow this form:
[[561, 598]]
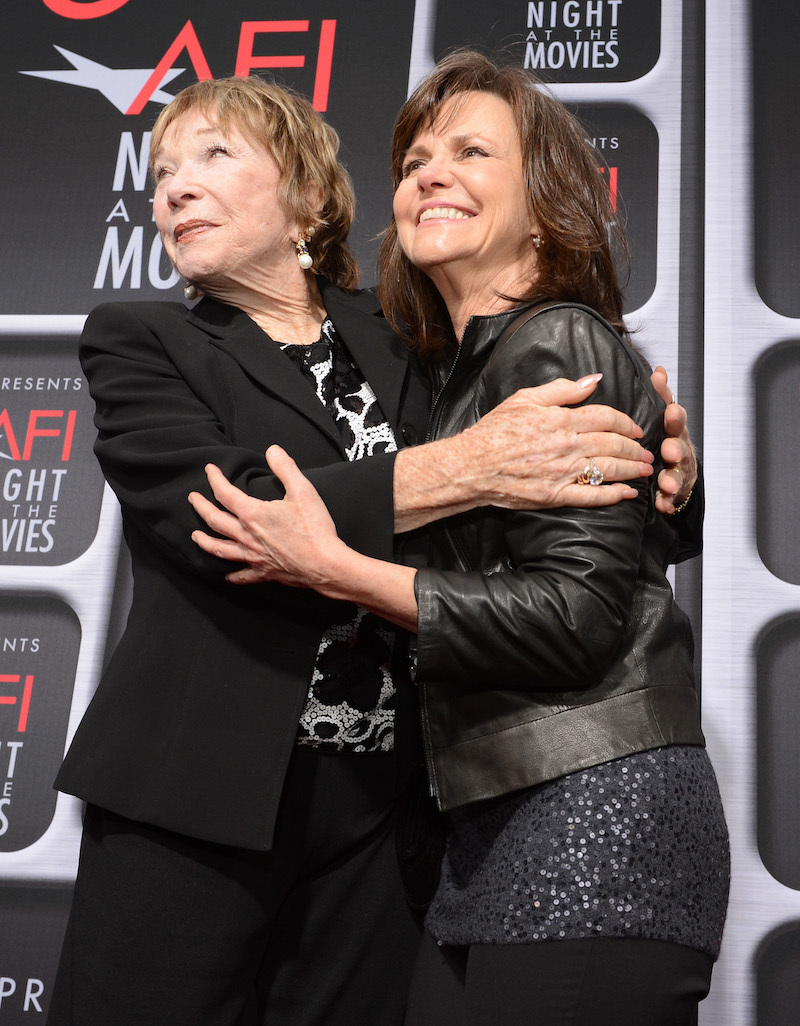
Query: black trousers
[[593, 982], [166, 930]]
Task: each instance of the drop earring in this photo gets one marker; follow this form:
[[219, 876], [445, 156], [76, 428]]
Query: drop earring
[[190, 292], [304, 258]]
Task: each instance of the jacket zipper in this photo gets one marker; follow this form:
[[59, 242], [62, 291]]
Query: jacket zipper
[[427, 745], [439, 394], [432, 424]]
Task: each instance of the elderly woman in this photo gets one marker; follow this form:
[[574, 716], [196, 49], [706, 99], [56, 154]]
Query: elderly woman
[[586, 873], [243, 755]]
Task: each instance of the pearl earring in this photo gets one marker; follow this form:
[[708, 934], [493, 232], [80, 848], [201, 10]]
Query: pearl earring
[[304, 258], [190, 292], [538, 241]]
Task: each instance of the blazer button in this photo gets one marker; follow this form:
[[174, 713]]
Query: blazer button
[[410, 434]]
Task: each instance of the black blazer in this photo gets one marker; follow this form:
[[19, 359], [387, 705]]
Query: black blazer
[[194, 720]]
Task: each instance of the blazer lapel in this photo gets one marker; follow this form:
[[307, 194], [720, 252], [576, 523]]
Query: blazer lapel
[[236, 334]]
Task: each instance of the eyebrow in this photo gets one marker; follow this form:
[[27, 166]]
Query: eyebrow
[[414, 148], [211, 130], [454, 141]]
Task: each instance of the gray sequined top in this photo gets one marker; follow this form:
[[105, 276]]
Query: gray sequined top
[[637, 847]]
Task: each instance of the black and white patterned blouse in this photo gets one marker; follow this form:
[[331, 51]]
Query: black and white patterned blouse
[[351, 699]]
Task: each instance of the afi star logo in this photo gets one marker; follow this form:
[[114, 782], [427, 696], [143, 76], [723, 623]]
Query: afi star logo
[[119, 85], [129, 89]]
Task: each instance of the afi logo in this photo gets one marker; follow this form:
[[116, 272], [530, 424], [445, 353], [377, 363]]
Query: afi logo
[[65, 430], [129, 89], [24, 701]]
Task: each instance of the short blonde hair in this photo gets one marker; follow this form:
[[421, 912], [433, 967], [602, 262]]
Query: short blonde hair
[[303, 146]]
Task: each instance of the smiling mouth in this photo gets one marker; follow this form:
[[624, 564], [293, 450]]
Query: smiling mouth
[[189, 228], [445, 213]]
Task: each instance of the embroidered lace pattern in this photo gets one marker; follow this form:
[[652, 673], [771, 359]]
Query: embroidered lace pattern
[[350, 705]]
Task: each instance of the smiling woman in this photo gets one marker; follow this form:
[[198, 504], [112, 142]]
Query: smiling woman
[[562, 728], [461, 208]]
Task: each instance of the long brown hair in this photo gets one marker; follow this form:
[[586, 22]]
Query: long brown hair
[[567, 196], [303, 146]]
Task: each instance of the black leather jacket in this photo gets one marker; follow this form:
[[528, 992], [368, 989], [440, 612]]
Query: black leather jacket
[[549, 641]]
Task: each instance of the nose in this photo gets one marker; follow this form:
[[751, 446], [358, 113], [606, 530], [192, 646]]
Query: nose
[[436, 173], [181, 187]]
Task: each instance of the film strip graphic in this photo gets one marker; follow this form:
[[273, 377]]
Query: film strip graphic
[[752, 598]]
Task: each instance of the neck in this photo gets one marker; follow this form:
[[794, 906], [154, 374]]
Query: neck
[[471, 295], [296, 319], [288, 308]]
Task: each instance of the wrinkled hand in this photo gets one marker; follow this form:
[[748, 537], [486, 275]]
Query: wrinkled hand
[[679, 475], [285, 540], [531, 448]]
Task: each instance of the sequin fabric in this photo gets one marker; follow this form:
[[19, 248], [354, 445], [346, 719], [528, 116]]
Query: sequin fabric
[[637, 847], [350, 705]]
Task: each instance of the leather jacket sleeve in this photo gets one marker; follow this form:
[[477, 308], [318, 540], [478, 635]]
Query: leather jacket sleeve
[[542, 597]]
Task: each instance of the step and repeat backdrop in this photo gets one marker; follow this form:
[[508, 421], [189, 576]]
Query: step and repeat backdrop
[[690, 108]]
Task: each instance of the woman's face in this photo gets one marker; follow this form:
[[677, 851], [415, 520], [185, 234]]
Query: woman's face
[[462, 208], [216, 204]]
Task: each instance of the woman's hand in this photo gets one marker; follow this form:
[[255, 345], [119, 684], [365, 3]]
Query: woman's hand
[[526, 453], [294, 541], [678, 478], [289, 541]]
